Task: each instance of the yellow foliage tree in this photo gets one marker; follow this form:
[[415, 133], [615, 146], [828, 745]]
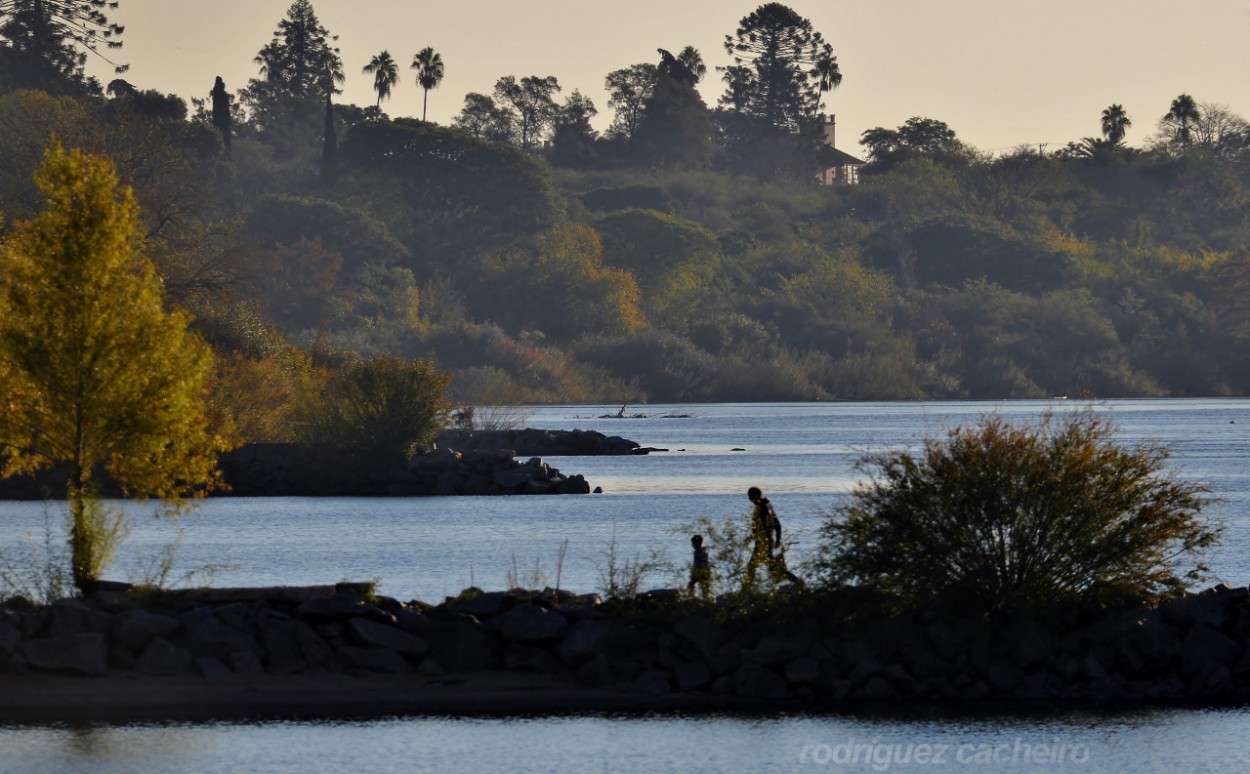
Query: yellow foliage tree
[[97, 379]]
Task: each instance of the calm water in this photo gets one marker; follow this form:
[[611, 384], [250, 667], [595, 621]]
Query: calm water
[[802, 456]]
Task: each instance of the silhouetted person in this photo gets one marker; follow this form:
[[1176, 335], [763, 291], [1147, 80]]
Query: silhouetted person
[[766, 535], [700, 569]]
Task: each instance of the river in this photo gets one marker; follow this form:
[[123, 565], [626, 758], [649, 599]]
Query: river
[[802, 455]]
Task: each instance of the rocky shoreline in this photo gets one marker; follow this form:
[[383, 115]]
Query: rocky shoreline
[[655, 651], [461, 462]]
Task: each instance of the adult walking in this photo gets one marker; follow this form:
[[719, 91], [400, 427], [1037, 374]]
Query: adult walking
[[768, 549]]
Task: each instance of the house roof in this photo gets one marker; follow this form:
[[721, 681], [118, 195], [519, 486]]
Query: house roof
[[843, 159]]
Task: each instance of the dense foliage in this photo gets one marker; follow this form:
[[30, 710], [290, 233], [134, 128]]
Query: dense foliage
[[687, 254], [97, 379], [1012, 517]]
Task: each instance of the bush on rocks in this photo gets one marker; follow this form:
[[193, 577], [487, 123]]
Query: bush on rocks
[[1002, 516]]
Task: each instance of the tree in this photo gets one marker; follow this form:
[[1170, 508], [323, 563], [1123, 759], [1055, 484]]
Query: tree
[[385, 72], [1008, 517], [628, 91], [222, 119], [483, 119], [887, 148], [1115, 123], [674, 130], [429, 67], [573, 138], [48, 42], [781, 68], [1179, 120], [692, 60], [300, 60], [387, 407], [1219, 129], [531, 101], [98, 379]]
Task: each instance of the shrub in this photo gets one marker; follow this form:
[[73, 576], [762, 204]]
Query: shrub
[[386, 406], [1000, 516]]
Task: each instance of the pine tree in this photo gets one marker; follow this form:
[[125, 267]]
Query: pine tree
[[46, 43]]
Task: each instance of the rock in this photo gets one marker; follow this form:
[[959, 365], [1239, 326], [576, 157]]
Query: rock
[[653, 682], [1093, 668], [487, 605], [704, 633], [84, 654], [530, 623], [1003, 676], [361, 631], [212, 668], [802, 671], [209, 637], [691, 676], [585, 640], [877, 688], [595, 673], [530, 659], [69, 617], [10, 633], [245, 662], [466, 646], [161, 657], [758, 683], [133, 629], [1217, 607], [332, 607], [373, 659], [1203, 644], [1212, 679], [430, 668]]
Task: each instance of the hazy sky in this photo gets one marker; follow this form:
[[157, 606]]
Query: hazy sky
[[1001, 73]]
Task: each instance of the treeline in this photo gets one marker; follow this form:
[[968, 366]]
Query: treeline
[[686, 254]]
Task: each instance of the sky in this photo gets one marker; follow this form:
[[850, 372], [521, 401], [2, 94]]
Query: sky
[[1001, 73]]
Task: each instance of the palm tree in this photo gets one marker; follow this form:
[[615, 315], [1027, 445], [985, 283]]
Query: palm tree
[[429, 67], [825, 68], [693, 61], [385, 73], [1183, 111], [1115, 122]]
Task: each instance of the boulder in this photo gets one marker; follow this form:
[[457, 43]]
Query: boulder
[[71, 616], [691, 676], [10, 634], [133, 629], [585, 640], [161, 657], [530, 623], [487, 605], [373, 659], [758, 682], [83, 654], [802, 671], [366, 633], [1203, 644]]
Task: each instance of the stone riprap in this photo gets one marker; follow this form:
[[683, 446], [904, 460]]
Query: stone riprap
[[460, 463], [261, 470], [1193, 648]]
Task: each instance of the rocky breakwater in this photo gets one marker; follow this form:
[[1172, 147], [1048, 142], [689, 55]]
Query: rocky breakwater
[[653, 648], [259, 470]]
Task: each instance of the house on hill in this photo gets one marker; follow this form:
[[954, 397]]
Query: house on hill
[[840, 167]]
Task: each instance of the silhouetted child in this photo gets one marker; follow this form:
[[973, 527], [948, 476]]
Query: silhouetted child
[[700, 570]]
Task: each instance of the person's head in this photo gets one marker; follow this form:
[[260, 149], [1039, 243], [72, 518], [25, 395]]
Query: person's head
[[754, 494], [696, 541]]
